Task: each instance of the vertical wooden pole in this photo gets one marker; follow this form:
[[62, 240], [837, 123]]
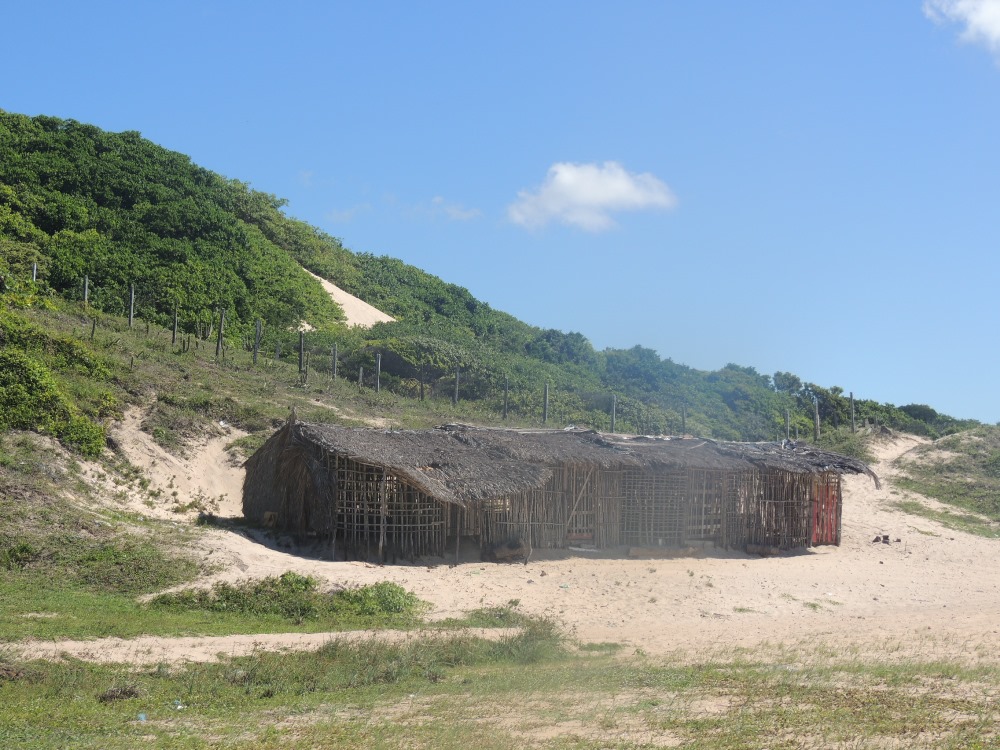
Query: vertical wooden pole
[[788, 425], [361, 376], [614, 411], [335, 360], [93, 328], [302, 350], [545, 405], [131, 304], [854, 426], [218, 340], [378, 372], [86, 290], [34, 272], [257, 331], [816, 419], [506, 395], [173, 336], [454, 400], [684, 419]]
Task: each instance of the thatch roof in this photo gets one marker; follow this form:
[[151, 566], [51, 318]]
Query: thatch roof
[[436, 462], [796, 458], [461, 464]]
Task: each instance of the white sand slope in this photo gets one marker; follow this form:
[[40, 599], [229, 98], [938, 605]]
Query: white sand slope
[[358, 312]]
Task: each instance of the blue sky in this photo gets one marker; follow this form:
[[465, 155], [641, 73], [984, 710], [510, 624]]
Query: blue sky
[[803, 186]]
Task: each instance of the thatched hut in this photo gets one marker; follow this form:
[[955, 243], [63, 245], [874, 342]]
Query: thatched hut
[[415, 493]]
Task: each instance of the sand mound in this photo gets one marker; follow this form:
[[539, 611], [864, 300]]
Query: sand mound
[[358, 312]]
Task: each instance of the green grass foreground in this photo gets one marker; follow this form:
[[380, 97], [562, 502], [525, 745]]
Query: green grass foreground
[[527, 690]]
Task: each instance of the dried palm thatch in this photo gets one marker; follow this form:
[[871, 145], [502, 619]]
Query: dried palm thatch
[[410, 490]]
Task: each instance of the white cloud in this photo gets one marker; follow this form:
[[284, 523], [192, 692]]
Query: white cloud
[[585, 196], [980, 17], [453, 211]]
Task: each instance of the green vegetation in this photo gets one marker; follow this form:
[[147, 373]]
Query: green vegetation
[[297, 598], [522, 691], [961, 470], [120, 211]]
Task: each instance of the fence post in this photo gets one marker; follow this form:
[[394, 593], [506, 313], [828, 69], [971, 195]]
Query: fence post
[[614, 411], [34, 272], [378, 372], [302, 350], [218, 341], [334, 361], [454, 400], [131, 304], [86, 290], [788, 425], [506, 394], [361, 376], [684, 419], [816, 419], [256, 340], [173, 336], [853, 423], [545, 405]]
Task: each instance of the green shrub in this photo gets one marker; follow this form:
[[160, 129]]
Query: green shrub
[[31, 400], [297, 598]]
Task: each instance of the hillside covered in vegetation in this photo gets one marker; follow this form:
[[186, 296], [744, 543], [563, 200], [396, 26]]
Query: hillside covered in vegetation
[[90, 212]]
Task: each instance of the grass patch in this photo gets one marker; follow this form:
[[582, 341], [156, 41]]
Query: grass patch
[[296, 599], [525, 691], [961, 470], [965, 522]]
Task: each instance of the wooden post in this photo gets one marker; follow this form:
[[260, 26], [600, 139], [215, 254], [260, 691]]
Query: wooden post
[[256, 339], [93, 328], [86, 290], [302, 350], [218, 341], [378, 372], [458, 533], [545, 405], [506, 394], [173, 336], [854, 426], [333, 357], [788, 425], [684, 419], [34, 272], [361, 376], [816, 420], [614, 411], [131, 304], [454, 400]]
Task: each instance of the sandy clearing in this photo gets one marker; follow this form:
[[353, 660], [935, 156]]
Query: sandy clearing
[[358, 312], [934, 593]]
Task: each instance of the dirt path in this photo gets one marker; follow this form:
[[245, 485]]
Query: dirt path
[[155, 650], [931, 590]]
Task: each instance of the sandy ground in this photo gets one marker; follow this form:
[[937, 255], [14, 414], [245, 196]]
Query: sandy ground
[[358, 312], [931, 592]]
